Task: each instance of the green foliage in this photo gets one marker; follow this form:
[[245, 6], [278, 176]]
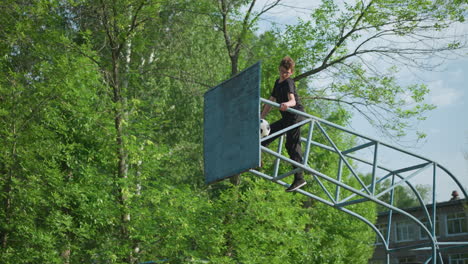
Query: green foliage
[[404, 197], [354, 51], [101, 131]]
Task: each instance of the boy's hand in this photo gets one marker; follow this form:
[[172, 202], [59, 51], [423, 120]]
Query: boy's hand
[[283, 107]]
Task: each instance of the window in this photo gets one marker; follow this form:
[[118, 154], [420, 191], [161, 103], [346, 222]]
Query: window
[[383, 230], [407, 260], [461, 258], [422, 233], [377, 261], [456, 223], [405, 231]]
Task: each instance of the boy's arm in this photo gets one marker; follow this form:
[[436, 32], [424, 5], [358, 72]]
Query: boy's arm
[[291, 103], [267, 108]]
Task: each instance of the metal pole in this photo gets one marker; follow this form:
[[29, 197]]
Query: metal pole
[[340, 172], [277, 161], [347, 187], [350, 168], [389, 220], [374, 168], [434, 207], [309, 140], [366, 194]]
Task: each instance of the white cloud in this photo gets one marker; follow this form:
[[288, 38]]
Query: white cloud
[[441, 95]]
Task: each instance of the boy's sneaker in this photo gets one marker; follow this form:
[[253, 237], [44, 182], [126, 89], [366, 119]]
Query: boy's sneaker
[[296, 185]]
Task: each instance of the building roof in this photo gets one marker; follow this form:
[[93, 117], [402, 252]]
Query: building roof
[[429, 206]]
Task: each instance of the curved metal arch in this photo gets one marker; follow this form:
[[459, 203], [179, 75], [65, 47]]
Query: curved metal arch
[[349, 188], [391, 172], [413, 189], [367, 192], [416, 192], [454, 179], [360, 217], [388, 249]]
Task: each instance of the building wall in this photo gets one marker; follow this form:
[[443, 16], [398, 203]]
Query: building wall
[[452, 225]]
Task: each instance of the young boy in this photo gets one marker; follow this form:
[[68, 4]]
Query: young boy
[[284, 93]]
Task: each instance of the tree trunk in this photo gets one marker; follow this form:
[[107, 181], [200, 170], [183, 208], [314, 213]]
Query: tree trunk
[[234, 64], [122, 167], [236, 179]]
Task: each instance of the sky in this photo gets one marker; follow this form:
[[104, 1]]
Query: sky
[[446, 126]]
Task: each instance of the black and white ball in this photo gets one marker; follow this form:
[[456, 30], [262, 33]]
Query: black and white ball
[[264, 128]]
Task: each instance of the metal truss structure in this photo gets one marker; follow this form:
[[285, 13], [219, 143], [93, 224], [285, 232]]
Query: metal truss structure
[[380, 189]]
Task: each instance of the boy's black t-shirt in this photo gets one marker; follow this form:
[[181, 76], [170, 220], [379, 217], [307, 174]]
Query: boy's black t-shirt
[[281, 91]]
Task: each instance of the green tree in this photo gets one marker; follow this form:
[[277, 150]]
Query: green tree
[[156, 104], [51, 134], [354, 51], [403, 195], [362, 44], [101, 131]]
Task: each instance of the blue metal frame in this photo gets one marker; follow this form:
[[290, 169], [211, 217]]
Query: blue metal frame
[[366, 192]]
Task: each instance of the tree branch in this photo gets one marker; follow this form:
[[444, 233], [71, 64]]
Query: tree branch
[[224, 13], [264, 10], [245, 25], [343, 38]]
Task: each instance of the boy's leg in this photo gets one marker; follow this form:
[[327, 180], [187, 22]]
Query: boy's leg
[[275, 127], [293, 146]]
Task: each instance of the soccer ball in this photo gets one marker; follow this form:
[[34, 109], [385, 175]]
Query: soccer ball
[[264, 128]]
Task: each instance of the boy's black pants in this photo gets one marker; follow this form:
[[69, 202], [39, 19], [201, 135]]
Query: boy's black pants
[[293, 139]]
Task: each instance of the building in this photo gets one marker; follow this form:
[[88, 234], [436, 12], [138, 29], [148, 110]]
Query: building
[[451, 226]]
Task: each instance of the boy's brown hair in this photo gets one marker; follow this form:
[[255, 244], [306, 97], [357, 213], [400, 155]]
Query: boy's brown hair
[[288, 63]]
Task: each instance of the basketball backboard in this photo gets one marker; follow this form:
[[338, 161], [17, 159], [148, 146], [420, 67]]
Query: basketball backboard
[[231, 125]]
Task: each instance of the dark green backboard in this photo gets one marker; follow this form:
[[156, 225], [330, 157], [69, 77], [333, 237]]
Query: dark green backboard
[[231, 126]]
